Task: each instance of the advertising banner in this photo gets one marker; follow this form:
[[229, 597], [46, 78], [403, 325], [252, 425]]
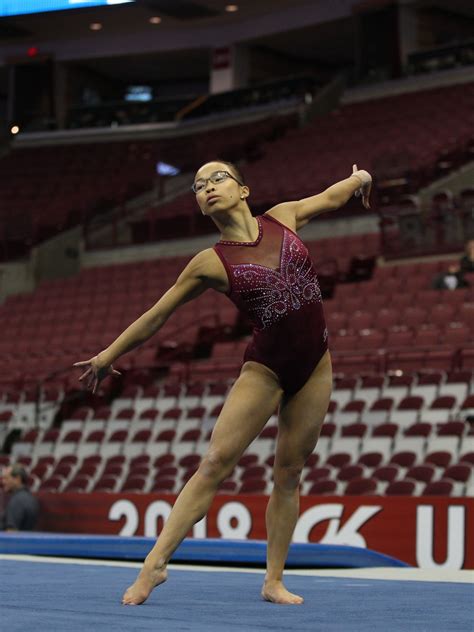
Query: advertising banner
[[429, 532]]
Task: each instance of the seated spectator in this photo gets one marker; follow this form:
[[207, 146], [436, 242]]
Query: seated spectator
[[466, 262], [452, 279], [22, 508]]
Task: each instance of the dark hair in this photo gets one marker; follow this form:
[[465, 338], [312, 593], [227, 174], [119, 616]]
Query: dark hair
[[232, 168], [19, 470]]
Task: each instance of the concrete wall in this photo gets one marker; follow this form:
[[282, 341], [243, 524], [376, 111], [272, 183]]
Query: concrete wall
[[317, 229], [461, 179], [16, 278], [58, 257]]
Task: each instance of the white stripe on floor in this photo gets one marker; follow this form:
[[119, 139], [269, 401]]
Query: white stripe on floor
[[396, 574]]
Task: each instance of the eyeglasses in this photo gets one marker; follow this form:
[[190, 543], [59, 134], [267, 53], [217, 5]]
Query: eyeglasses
[[215, 178]]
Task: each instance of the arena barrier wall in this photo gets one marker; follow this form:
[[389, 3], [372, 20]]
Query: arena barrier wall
[[428, 532]]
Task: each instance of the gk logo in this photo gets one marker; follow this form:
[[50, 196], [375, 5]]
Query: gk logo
[[335, 534]]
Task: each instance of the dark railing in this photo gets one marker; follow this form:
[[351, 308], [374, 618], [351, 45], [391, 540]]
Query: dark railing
[[293, 89], [117, 113], [441, 58], [408, 231]]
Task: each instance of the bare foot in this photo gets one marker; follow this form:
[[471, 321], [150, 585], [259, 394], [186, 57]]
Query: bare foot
[[147, 579], [275, 592]]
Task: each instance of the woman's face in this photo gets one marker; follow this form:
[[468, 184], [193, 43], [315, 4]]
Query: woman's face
[[218, 196]]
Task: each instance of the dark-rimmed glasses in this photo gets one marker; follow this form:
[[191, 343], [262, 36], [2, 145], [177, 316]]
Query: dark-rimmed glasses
[[215, 178]]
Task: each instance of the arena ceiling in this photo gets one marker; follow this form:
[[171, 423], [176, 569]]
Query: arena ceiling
[[145, 51], [330, 42]]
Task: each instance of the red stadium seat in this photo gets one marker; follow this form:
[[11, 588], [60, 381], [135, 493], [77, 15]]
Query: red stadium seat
[[164, 460], [438, 488], [439, 458], [361, 487], [52, 484], [452, 428], [422, 473], [419, 429], [354, 430], [318, 473], [404, 458], [461, 472], [401, 488], [386, 473], [323, 488], [78, 484], [253, 486], [350, 472], [339, 459], [247, 460], [385, 430], [227, 487], [165, 485], [106, 484], [134, 483], [253, 471]]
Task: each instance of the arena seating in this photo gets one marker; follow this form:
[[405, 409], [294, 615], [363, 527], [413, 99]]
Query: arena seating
[[70, 184], [388, 322], [126, 448], [307, 160], [403, 393], [63, 187]]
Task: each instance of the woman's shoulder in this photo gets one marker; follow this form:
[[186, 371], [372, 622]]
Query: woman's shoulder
[[284, 214], [205, 259]]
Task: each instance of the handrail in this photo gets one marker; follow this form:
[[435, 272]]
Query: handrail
[[187, 109]]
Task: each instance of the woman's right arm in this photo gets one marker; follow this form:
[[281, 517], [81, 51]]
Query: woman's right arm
[[193, 281]]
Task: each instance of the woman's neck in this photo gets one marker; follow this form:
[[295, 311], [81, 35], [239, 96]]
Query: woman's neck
[[241, 226]]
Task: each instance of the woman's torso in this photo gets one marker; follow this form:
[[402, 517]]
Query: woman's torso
[[271, 277]]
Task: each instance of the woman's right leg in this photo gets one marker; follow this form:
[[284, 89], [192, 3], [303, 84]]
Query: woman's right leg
[[251, 401]]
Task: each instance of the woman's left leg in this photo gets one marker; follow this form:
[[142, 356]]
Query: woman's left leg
[[299, 425]]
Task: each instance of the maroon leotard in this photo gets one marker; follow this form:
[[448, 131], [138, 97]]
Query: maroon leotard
[[273, 281]]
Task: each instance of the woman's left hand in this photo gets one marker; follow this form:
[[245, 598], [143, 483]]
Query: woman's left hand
[[366, 182], [96, 371]]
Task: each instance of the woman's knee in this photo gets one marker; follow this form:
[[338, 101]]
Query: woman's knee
[[216, 466], [287, 477]]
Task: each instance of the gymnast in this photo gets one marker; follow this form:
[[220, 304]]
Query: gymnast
[[264, 268]]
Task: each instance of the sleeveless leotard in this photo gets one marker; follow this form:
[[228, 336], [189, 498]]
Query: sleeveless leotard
[[273, 281]]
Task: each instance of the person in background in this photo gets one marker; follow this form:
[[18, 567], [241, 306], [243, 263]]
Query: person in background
[[451, 279], [466, 262], [22, 508]]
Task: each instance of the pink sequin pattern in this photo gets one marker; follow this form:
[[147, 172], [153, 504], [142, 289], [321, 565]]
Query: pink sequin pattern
[[270, 294]]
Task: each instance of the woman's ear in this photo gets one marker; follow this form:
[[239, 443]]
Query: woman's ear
[[244, 192]]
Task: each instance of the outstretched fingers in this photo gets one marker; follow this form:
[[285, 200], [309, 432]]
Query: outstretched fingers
[[366, 195], [85, 374], [93, 375], [82, 363]]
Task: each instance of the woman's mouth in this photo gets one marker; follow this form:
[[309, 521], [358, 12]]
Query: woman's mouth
[[212, 198]]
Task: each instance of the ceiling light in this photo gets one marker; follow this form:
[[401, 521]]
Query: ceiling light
[[155, 19], [232, 8], [95, 26], [15, 129]]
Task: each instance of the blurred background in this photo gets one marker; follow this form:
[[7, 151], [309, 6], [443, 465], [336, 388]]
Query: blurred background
[[108, 107]]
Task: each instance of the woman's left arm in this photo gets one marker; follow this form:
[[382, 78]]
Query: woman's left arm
[[298, 213]]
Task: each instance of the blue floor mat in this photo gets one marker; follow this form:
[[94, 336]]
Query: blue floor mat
[[53, 597]]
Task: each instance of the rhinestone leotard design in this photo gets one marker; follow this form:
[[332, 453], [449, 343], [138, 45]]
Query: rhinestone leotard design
[[273, 281]]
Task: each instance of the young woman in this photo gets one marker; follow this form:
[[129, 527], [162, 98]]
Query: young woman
[[264, 268]]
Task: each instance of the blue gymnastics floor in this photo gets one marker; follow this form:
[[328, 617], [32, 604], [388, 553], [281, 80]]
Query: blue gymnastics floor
[[50, 597]]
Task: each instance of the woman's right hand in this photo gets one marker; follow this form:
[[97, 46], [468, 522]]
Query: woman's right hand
[[95, 372], [365, 179]]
